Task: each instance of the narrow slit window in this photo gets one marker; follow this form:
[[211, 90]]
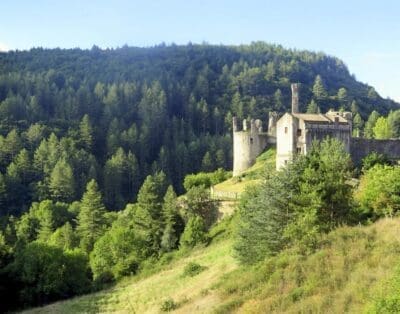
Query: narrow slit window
[[286, 129], [298, 132]]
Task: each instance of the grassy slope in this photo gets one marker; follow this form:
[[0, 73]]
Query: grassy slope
[[147, 295], [250, 176], [344, 275]]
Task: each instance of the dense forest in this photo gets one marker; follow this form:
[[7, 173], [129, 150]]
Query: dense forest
[[118, 115], [85, 134]]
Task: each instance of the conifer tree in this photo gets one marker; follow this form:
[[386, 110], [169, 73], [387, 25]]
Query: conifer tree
[[86, 133], [91, 220], [369, 125], [319, 90], [171, 218], [312, 107], [358, 125], [382, 129], [207, 163], [62, 183]]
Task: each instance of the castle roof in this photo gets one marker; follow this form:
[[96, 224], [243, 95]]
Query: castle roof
[[320, 118]]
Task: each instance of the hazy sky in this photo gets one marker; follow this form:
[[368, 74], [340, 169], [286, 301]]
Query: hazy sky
[[364, 34]]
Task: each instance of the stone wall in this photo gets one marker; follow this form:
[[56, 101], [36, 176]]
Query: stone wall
[[247, 144], [361, 147]]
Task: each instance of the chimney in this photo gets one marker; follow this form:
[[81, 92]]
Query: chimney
[[295, 98]]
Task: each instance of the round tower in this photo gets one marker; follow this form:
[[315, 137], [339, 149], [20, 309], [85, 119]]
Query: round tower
[[247, 144]]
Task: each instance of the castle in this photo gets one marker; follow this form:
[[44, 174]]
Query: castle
[[294, 132]]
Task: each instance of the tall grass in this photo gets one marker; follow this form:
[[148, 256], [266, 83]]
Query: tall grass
[[342, 276]]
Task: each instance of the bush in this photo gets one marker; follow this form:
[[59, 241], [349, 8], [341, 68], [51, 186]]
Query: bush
[[205, 179], [373, 159], [192, 269], [168, 305], [379, 190], [47, 273], [194, 233]]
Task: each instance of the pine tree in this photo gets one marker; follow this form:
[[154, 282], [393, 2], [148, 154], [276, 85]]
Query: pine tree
[[382, 129], [86, 133], [62, 183], [358, 124], [369, 125], [91, 220], [114, 174], [319, 90], [312, 107], [170, 215], [394, 122], [342, 96], [278, 99], [207, 163]]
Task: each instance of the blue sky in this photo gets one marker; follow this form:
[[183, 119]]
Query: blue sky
[[364, 34]]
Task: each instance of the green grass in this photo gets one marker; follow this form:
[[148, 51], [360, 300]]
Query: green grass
[[346, 275], [149, 295], [253, 175], [343, 276]]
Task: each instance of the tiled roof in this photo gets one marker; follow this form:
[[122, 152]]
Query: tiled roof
[[321, 118]]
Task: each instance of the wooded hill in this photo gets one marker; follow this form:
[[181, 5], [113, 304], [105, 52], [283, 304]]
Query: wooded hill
[[120, 114]]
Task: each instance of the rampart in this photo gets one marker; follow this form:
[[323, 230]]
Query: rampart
[[361, 147]]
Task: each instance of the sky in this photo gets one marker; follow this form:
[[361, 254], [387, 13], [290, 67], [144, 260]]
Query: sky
[[364, 34]]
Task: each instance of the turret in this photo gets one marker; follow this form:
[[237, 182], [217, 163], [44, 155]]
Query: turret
[[295, 98], [234, 124]]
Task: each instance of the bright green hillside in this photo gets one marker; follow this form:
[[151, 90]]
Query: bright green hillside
[[345, 275], [351, 271]]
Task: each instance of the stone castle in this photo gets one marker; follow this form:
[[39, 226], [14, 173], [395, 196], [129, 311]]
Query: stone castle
[[294, 132]]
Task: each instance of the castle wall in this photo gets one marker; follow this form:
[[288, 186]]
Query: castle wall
[[361, 147], [320, 132], [247, 146]]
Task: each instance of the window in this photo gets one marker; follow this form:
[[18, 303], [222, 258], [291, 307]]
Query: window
[[298, 132], [298, 150], [285, 129], [251, 140], [285, 162]]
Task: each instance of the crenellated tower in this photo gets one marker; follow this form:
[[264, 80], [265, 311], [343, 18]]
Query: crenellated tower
[[249, 140]]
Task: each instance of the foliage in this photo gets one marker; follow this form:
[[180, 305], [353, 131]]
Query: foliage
[[389, 301], [198, 202], [192, 269], [382, 129], [370, 124], [48, 273], [379, 190], [194, 233], [372, 159], [168, 305], [91, 220], [296, 204], [205, 179]]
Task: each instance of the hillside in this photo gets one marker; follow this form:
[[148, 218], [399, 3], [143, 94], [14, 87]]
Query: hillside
[[118, 115], [346, 275]]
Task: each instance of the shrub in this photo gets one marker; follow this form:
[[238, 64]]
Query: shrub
[[205, 179], [372, 159], [379, 190], [195, 232], [192, 269], [48, 273], [168, 305]]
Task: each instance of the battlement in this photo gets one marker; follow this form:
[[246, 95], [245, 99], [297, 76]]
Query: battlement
[[252, 126], [249, 140]]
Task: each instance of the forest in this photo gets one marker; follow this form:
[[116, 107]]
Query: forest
[[95, 146]]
